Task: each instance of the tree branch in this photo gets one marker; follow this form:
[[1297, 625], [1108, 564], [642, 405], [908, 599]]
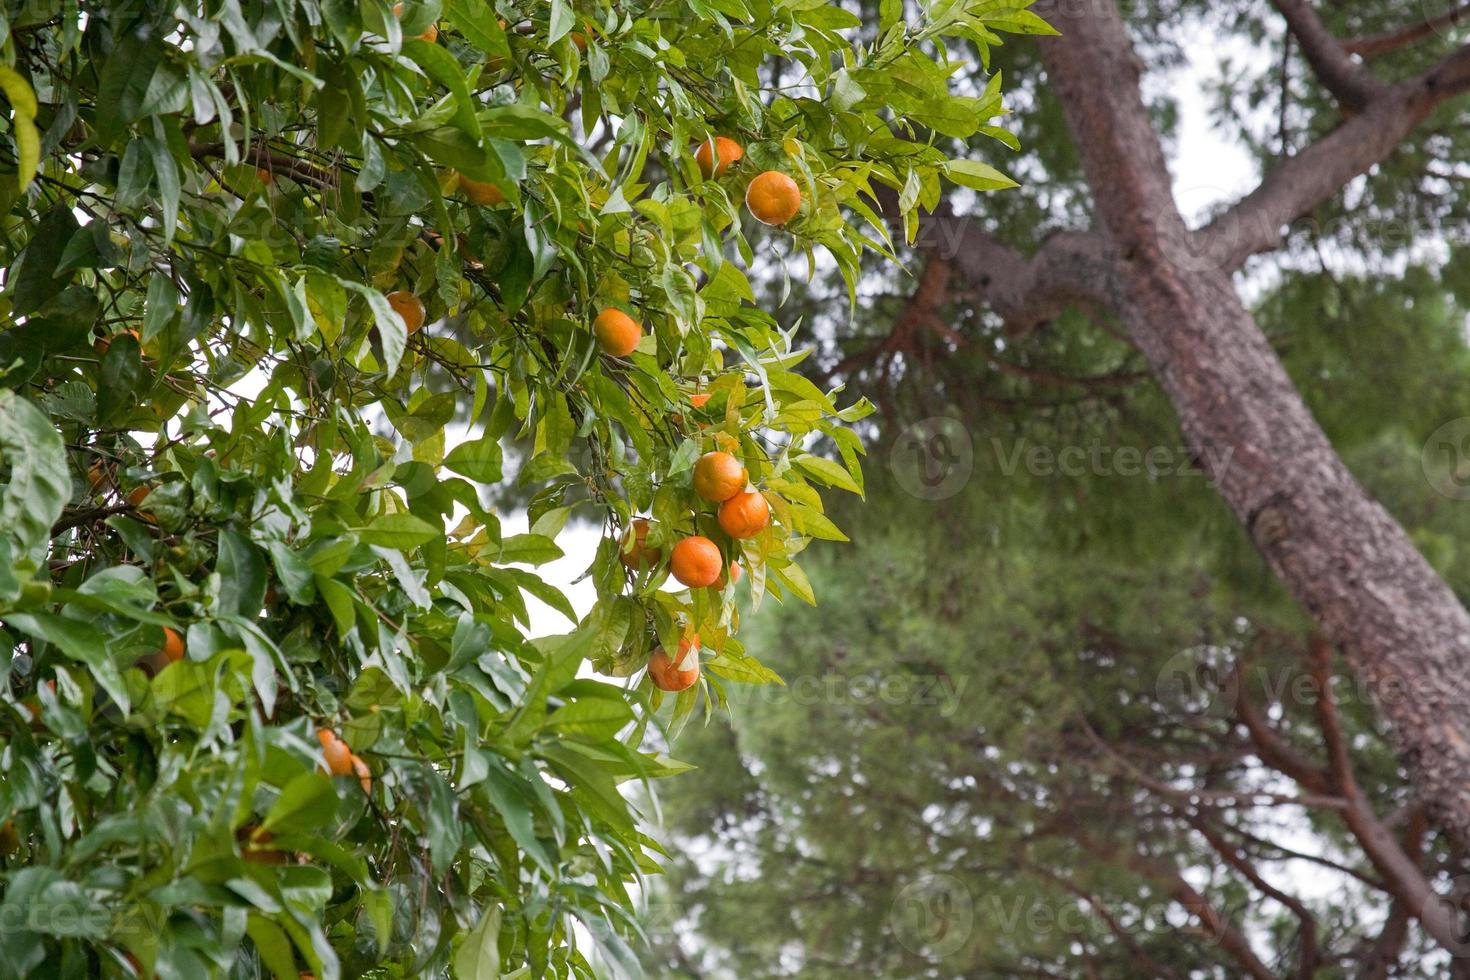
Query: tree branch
[[1069, 268], [1349, 82], [1301, 183], [1401, 873], [1274, 750], [1374, 45], [1309, 955]]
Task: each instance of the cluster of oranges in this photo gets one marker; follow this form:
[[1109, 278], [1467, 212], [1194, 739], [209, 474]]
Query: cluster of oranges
[[696, 561], [772, 197]]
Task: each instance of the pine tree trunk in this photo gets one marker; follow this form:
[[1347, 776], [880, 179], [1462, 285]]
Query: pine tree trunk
[[1343, 557]]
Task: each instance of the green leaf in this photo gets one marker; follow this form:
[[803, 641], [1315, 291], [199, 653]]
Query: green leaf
[[23, 122], [599, 714], [39, 485], [479, 460], [81, 642], [828, 472], [478, 956], [272, 944], [242, 574], [441, 66], [306, 803], [392, 332], [977, 176], [402, 531], [529, 549]]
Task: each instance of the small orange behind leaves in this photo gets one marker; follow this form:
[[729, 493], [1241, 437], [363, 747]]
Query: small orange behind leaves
[[617, 333], [745, 515], [431, 35], [718, 476], [481, 192], [673, 675], [173, 645], [101, 344], [717, 155], [633, 551], [773, 198], [336, 751], [408, 306], [364, 774], [696, 562], [699, 399], [732, 578]]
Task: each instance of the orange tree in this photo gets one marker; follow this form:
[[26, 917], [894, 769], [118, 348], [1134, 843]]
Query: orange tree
[[282, 280]]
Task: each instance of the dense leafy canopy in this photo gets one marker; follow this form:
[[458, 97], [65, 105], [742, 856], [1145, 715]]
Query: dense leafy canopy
[[245, 494]]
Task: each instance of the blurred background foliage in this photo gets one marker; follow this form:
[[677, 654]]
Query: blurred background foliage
[[1010, 741]]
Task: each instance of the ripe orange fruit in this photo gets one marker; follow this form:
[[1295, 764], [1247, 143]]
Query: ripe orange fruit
[[364, 774], [101, 344], [773, 197], [617, 333], [731, 579], [700, 399], [745, 515], [696, 562], [718, 476], [634, 553], [408, 306], [173, 645], [717, 155], [136, 496], [665, 671], [265, 176], [431, 35], [481, 192], [336, 751], [98, 479]]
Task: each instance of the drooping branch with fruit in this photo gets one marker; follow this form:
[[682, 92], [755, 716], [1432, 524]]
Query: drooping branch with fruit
[[285, 286]]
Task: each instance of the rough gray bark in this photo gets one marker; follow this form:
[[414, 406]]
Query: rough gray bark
[[1343, 557]]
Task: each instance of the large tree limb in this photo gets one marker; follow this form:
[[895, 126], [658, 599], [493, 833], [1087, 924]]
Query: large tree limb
[[1349, 82], [1343, 557], [1301, 183], [1070, 268], [1373, 45]]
